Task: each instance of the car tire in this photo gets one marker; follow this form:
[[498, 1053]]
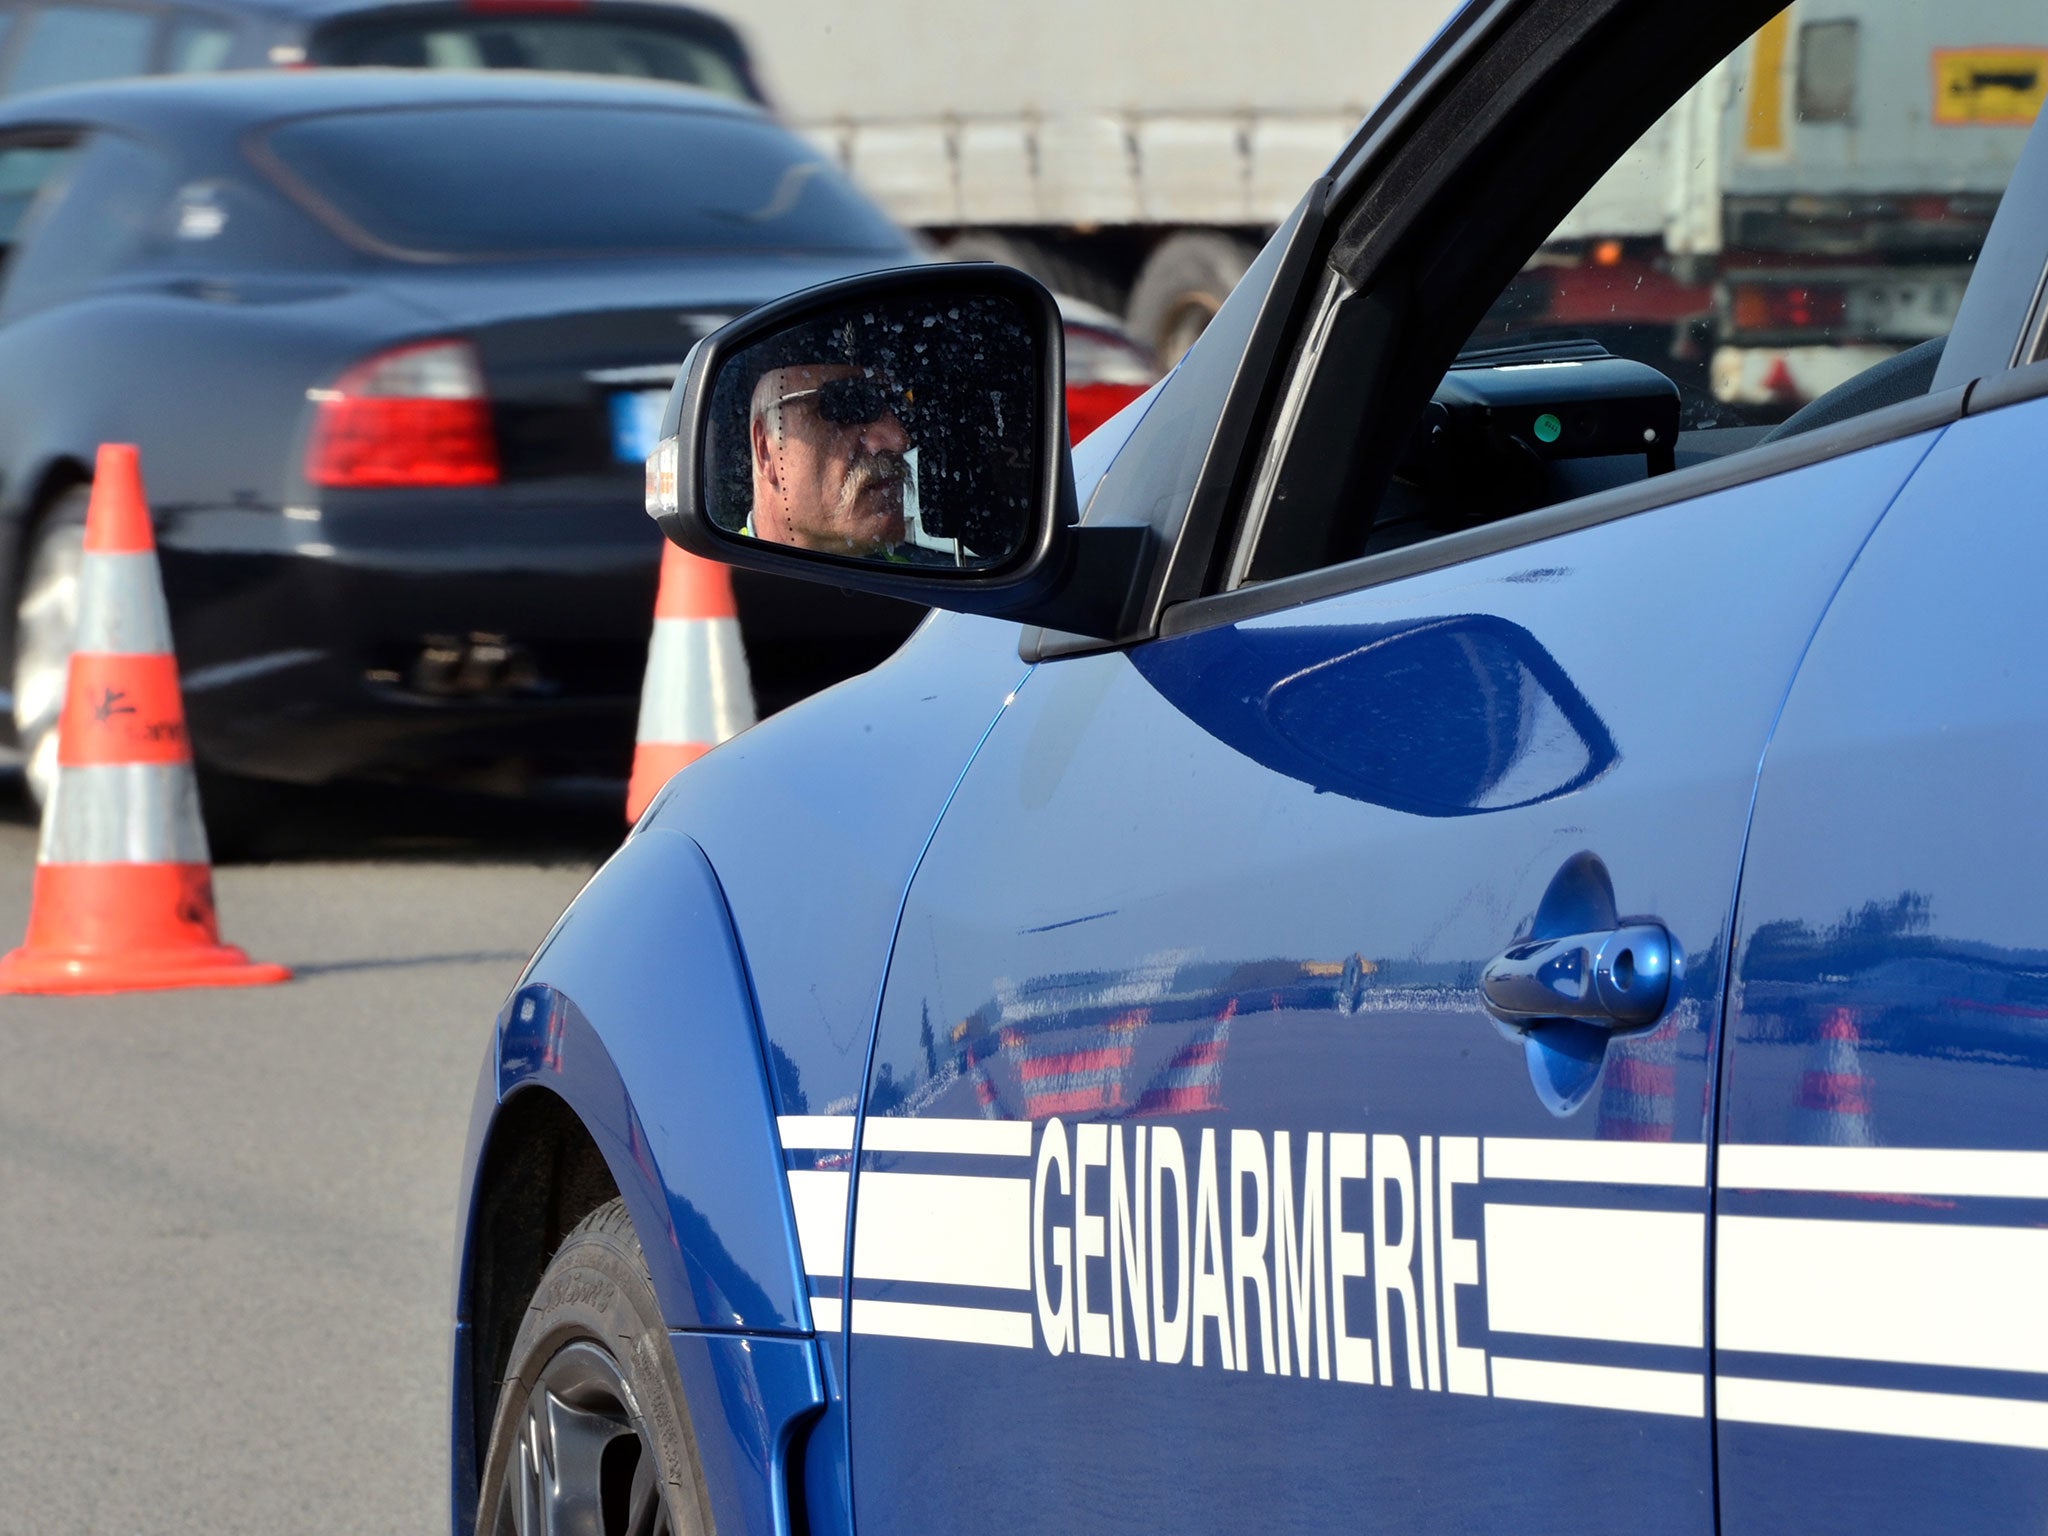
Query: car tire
[[591, 1431], [45, 632], [1181, 286], [1061, 271]]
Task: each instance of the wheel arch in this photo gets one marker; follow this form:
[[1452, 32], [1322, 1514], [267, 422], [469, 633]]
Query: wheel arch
[[627, 1060]]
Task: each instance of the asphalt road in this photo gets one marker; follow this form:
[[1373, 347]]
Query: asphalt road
[[227, 1217]]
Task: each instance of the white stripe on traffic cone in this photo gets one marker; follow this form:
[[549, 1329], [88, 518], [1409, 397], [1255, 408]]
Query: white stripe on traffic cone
[[696, 692]]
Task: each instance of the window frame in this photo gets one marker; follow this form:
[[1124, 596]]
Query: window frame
[[1393, 197], [42, 136]]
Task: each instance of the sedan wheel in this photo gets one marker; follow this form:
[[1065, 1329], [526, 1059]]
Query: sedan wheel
[[45, 631], [591, 1436], [582, 1463]]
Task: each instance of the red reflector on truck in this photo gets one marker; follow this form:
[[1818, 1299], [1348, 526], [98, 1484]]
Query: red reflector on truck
[[1788, 307], [413, 416]]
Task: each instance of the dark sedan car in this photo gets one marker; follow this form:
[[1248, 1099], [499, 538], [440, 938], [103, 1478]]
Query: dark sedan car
[[393, 345]]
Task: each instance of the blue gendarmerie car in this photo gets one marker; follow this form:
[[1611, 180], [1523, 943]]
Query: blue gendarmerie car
[[1445, 933]]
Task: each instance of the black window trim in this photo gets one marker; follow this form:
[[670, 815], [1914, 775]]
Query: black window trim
[[53, 133]]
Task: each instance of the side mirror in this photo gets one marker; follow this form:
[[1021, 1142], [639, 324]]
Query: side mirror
[[902, 433]]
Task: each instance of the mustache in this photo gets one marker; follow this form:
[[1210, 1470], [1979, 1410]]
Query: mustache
[[873, 470]]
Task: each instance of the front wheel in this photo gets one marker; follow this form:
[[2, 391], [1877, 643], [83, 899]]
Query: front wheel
[[45, 633], [591, 1432]]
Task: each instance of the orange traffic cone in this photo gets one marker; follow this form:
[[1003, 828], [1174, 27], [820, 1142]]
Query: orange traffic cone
[[124, 886], [697, 693]]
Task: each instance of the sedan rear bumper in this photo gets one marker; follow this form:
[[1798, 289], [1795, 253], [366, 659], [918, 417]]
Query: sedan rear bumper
[[487, 641]]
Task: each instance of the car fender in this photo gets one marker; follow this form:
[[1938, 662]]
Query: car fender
[[636, 1013]]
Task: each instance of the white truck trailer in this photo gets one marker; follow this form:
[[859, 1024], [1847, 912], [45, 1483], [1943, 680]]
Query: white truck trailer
[[1813, 205], [1809, 207], [1134, 154]]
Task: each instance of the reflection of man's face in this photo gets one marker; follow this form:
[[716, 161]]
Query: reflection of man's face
[[824, 478]]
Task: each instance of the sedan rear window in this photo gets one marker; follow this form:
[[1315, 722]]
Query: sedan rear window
[[501, 181], [577, 44]]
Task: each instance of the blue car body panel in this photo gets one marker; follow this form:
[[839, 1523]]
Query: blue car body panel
[[749, 1400], [1232, 892], [610, 1025], [814, 820], [678, 1055], [1883, 1347], [656, 1052]]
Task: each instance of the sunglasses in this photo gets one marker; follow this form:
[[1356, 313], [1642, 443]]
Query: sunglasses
[[851, 402]]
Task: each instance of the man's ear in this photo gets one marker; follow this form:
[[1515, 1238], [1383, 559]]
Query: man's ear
[[766, 470]]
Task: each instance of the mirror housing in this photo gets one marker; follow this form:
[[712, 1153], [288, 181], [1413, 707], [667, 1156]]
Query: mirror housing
[[1018, 468]]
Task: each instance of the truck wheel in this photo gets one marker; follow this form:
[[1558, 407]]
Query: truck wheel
[[591, 1432], [45, 630], [1181, 286], [1059, 270]]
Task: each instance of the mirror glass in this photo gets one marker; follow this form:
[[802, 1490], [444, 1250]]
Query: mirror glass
[[900, 432]]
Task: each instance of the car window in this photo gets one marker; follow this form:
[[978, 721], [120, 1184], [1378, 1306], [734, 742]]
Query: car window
[[70, 43], [1786, 247], [26, 170], [113, 189], [496, 181], [586, 44], [196, 45], [1810, 209]]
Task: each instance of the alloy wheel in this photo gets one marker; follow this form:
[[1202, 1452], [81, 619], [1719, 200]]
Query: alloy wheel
[[583, 1465]]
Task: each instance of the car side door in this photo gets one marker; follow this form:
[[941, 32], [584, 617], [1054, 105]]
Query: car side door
[[1215, 1169], [1196, 1185], [1882, 1361]]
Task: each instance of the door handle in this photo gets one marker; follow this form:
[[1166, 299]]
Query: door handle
[[1619, 979]]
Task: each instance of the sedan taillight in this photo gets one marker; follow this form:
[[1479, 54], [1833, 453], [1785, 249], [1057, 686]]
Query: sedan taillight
[[414, 416]]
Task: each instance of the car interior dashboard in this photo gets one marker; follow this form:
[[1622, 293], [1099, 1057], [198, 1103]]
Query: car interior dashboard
[[1511, 429]]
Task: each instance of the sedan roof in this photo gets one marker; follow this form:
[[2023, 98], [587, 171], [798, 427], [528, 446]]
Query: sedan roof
[[227, 104], [320, 10]]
